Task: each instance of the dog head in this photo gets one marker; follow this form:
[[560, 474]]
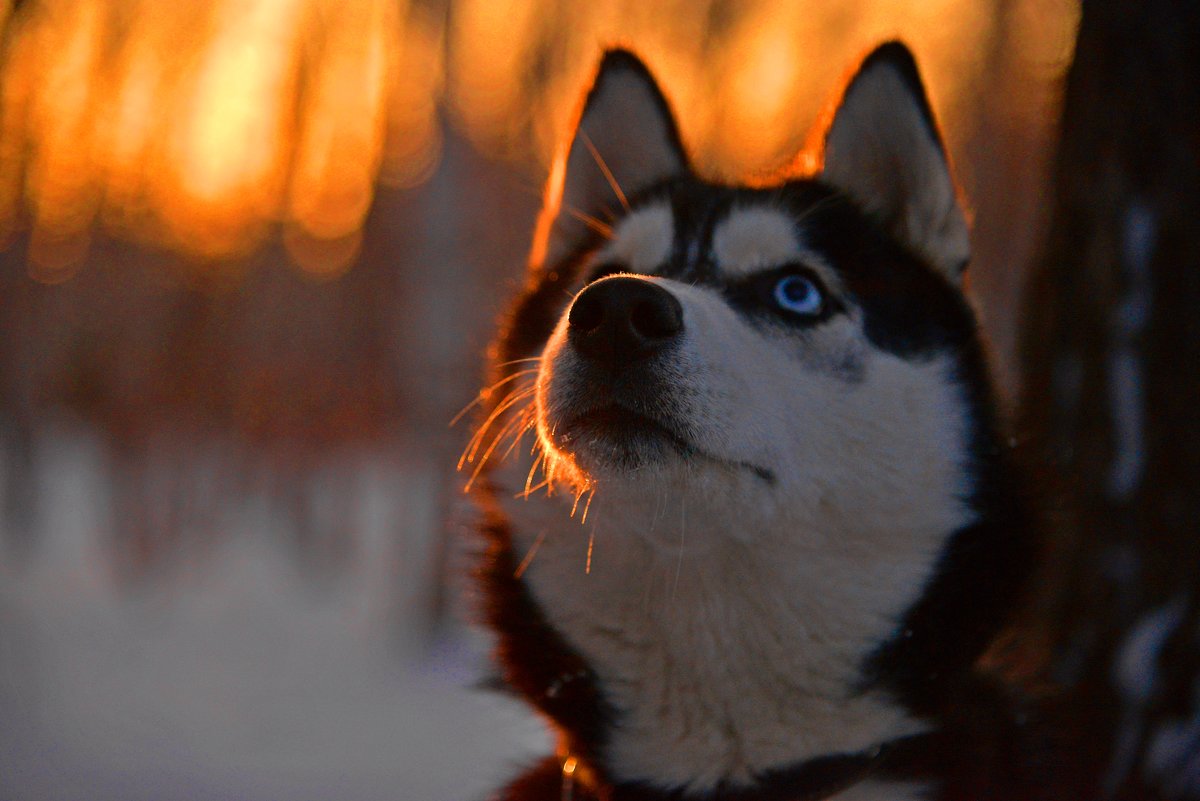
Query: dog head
[[766, 402], [791, 348]]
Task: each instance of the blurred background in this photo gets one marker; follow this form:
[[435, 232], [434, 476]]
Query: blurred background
[[250, 255]]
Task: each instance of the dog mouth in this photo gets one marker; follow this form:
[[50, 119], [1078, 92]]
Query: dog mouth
[[617, 436]]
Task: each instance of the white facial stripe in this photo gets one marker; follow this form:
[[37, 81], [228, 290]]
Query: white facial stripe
[[642, 241], [755, 238]]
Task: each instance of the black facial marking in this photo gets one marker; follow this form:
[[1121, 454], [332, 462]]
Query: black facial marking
[[908, 308], [753, 295], [982, 572], [695, 208]]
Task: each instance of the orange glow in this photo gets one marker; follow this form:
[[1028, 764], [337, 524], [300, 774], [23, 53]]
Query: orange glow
[[226, 156], [131, 117], [764, 64], [202, 126], [230, 141], [551, 203], [208, 126], [341, 140], [413, 141], [745, 90], [322, 257], [61, 180], [492, 44]]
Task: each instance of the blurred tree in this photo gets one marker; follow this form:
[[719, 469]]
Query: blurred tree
[[1112, 380]]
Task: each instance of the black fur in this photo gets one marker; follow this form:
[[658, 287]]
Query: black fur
[[900, 60], [619, 60]]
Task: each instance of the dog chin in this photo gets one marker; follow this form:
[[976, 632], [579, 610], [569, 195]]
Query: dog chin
[[614, 441]]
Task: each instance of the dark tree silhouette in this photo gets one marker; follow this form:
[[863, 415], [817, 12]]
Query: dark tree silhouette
[[1112, 384]]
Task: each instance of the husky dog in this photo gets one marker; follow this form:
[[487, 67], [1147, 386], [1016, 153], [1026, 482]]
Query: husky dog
[[768, 525]]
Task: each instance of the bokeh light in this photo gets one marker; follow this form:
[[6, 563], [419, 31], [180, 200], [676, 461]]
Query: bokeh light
[[203, 127]]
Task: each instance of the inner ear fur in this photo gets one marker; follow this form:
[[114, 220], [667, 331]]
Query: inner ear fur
[[883, 149], [624, 141]]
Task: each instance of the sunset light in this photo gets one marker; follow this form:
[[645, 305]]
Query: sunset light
[[204, 127]]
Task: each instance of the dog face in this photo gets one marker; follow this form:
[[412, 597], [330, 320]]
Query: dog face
[[754, 400], [737, 355], [790, 347]]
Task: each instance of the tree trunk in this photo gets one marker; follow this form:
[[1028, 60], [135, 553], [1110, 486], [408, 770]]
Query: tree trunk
[[1112, 388]]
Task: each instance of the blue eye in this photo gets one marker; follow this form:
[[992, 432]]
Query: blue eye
[[798, 295]]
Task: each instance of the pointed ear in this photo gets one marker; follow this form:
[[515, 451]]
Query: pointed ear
[[883, 150], [625, 140]]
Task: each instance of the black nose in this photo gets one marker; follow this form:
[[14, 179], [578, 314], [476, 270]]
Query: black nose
[[622, 319]]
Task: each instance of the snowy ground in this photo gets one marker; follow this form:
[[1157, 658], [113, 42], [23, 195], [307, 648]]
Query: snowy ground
[[237, 678]]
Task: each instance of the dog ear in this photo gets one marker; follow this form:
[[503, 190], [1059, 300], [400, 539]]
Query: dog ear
[[883, 149], [625, 140]]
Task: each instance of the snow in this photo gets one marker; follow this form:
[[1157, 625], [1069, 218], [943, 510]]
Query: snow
[[236, 676]]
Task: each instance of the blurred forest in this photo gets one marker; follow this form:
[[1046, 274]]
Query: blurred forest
[[277, 232], [250, 256]]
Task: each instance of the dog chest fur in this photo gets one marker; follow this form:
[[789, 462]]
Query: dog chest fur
[[732, 642]]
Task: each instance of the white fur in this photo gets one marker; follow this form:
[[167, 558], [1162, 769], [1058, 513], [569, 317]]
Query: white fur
[[727, 618], [752, 239], [642, 240]]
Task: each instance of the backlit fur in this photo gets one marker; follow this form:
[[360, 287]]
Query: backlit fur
[[773, 586]]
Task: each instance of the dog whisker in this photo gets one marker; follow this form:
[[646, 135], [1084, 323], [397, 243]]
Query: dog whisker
[[588, 505], [519, 361], [682, 536], [486, 393], [521, 568], [599, 226], [526, 426], [477, 440], [516, 424], [529, 478], [534, 488], [519, 424], [608, 175]]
